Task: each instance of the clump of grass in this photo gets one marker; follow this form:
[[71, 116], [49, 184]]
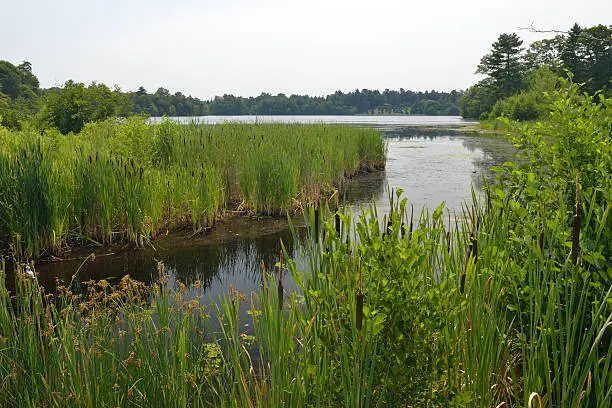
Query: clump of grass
[[122, 345], [129, 181]]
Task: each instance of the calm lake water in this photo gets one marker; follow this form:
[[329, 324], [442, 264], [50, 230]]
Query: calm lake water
[[431, 158], [386, 120]]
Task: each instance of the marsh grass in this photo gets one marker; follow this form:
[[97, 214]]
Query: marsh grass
[[130, 181]]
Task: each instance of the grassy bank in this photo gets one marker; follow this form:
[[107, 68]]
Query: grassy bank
[[129, 181]]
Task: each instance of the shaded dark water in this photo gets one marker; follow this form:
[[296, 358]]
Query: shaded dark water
[[431, 164], [227, 257]]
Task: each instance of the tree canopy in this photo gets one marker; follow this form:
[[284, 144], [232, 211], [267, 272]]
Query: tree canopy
[[585, 54], [18, 81], [19, 93], [70, 107], [503, 64]]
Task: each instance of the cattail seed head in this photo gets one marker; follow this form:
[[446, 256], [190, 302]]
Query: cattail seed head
[[411, 218], [576, 226], [359, 312], [337, 222], [359, 305], [280, 283]]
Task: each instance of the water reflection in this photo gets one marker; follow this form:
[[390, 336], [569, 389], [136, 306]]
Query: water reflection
[[433, 165], [230, 255], [427, 132], [235, 263]]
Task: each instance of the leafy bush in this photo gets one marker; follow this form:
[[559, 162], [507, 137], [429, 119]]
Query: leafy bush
[[69, 108]]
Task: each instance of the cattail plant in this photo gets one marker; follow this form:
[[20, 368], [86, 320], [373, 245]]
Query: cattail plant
[[359, 308], [474, 247], [472, 254], [317, 217], [264, 280], [280, 282], [411, 220], [576, 225], [390, 219]]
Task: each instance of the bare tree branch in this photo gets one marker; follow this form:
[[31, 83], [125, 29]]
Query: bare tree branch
[[532, 29]]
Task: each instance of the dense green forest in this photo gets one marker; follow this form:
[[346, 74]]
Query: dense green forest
[[68, 108], [358, 102], [339, 103], [20, 95], [518, 79]]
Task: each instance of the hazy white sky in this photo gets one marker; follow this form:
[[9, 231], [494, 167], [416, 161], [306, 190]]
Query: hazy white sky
[[207, 48]]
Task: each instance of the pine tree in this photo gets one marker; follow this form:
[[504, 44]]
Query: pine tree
[[503, 64]]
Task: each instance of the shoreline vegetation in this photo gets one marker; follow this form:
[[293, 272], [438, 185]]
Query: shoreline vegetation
[[128, 181], [520, 80], [511, 308]]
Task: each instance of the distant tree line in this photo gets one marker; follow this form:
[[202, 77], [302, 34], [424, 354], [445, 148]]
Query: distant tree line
[[517, 78], [69, 107], [163, 103], [363, 101]]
